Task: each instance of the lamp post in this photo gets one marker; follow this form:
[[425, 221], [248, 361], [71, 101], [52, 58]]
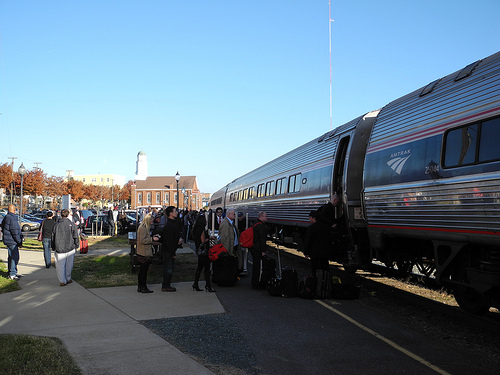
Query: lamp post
[[22, 172], [177, 178], [184, 197]]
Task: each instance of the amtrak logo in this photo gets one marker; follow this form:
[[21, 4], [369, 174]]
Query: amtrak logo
[[398, 161]]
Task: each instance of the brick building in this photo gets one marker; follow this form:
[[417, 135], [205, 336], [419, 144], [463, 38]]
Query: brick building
[[157, 191]]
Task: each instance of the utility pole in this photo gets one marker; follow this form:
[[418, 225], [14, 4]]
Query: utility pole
[[37, 163], [12, 183]]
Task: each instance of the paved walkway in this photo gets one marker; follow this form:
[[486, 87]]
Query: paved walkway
[[99, 327]]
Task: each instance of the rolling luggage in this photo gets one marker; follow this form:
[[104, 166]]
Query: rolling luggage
[[346, 287], [84, 246], [225, 270], [290, 281], [275, 286], [323, 284], [307, 287], [267, 271]]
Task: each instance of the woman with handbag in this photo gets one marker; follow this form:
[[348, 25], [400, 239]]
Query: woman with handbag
[[45, 235], [200, 236], [144, 253]]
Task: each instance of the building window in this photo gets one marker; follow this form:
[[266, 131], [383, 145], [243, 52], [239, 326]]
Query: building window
[[166, 199], [107, 180], [175, 198], [94, 179], [149, 198], [83, 179], [158, 198], [139, 198]]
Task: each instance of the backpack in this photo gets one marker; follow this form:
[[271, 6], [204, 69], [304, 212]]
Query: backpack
[[246, 237]]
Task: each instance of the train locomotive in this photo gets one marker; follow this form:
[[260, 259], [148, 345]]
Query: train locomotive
[[419, 183]]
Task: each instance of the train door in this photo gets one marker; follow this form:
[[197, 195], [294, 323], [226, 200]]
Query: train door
[[339, 166], [342, 238]]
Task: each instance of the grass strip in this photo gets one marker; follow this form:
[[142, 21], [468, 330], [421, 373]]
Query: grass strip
[[101, 271], [26, 354]]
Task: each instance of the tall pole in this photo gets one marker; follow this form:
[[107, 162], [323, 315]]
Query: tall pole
[[177, 178], [22, 172], [12, 182]]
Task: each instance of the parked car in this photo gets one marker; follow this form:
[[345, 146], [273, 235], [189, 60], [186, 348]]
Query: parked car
[[26, 225], [98, 223], [33, 218]]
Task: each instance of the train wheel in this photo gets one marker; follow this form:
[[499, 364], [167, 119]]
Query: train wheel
[[467, 298], [405, 267]]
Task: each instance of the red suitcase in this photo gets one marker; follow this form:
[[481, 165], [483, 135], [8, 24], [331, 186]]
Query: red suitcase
[[84, 246]]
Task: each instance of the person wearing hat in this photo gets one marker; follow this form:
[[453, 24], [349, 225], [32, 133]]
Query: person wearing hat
[[318, 243]]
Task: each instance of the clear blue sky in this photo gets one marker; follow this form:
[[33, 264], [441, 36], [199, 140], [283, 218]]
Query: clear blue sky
[[213, 88]]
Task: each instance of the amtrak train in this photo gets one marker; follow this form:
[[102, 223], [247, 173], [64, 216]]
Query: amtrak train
[[419, 183]]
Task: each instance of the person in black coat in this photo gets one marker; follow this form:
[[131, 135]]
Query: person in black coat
[[200, 237], [170, 237], [259, 248], [318, 243]]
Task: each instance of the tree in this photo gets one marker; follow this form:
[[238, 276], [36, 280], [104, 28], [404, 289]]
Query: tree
[[76, 189], [34, 182], [126, 191], [5, 175]]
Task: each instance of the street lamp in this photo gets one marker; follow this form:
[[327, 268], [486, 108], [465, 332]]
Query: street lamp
[[22, 172], [177, 178], [184, 197]]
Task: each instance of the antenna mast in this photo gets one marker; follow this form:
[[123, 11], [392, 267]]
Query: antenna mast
[[330, 45]]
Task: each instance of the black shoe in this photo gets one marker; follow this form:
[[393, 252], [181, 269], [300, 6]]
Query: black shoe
[[168, 289], [209, 289], [146, 290], [196, 287]]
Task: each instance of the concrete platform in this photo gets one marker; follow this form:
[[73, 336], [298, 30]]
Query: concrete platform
[[100, 326]]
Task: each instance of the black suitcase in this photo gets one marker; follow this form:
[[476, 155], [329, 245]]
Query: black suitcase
[[225, 270], [290, 281], [267, 270], [275, 286], [307, 287], [346, 287], [323, 284]]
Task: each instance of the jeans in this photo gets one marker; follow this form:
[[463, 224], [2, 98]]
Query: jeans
[[168, 269], [13, 259], [47, 242]]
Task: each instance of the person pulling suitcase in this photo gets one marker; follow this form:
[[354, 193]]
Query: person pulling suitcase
[[259, 251]]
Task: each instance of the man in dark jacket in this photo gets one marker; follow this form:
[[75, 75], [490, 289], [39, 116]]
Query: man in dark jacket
[[170, 239], [12, 239], [318, 243], [65, 241], [259, 248]]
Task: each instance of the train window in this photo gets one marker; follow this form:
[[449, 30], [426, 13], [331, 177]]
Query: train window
[[251, 192], [467, 71], [245, 194], [488, 144], [294, 183], [428, 89], [461, 146], [269, 188], [472, 144], [231, 197], [260, 190], [240, 195], [281, 186]]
